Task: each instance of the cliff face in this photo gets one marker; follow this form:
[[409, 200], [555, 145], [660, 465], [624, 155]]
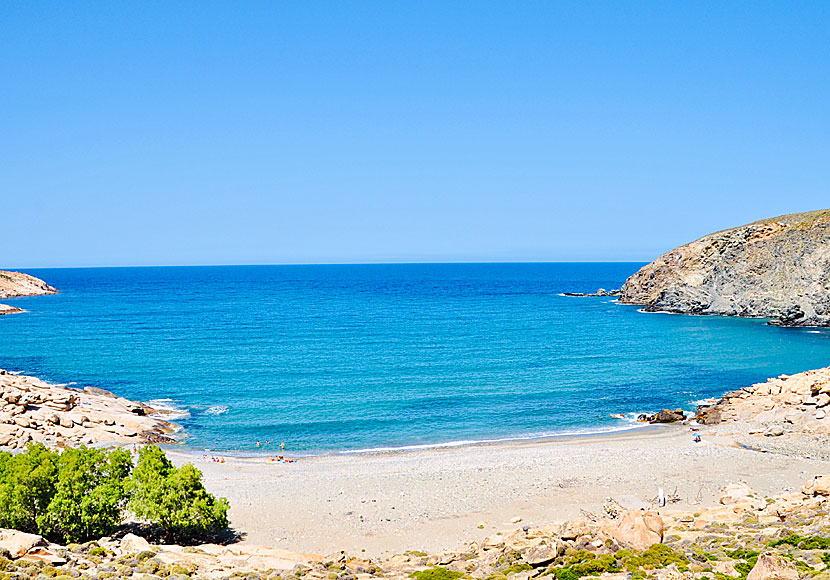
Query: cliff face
[[14, 284], [777, 268]]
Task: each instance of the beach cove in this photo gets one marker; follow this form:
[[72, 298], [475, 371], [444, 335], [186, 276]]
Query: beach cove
[[440, 499]]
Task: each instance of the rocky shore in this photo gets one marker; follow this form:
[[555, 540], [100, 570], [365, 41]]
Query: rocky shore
[[789, 414], [775, 268], [746, 536], [17, 284], [32, 410]]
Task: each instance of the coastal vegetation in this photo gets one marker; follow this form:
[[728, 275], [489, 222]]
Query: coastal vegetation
[[83, 493]]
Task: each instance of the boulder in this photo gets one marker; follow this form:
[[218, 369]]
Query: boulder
[[774, 430], [18, 543], [668, 416], [134, 544], [735, 492], [638, 529], [40, 554], [543, 553], [819, 485], [708, 414], [771, 566]]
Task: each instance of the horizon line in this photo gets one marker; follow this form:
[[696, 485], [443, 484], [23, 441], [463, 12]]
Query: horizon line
[[383, 263]]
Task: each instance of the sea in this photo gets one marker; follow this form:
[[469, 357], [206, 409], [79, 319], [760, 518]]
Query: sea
[[356, 358]]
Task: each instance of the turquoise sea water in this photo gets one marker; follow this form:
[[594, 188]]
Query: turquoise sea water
[[347, 358]]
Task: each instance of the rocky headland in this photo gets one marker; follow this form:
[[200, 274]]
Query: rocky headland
[[32, 410], [17, 284], [776, 268]]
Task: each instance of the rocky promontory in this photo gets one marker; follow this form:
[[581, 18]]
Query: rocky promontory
[[17, 284], [777, 268], [32, 410]]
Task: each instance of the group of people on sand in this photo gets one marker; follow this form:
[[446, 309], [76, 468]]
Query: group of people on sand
[[276, 458], [213, 459]]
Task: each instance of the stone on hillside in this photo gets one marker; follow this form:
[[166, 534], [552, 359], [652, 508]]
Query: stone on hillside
[[775, 430], [819, 485], [638, 529], [735, 492], [18, 543], [40, 554], [771, 566], [726, 568], [134, 544], [544, 553]]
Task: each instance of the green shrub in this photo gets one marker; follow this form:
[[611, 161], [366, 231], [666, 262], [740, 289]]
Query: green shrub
[[27, 485], [175, 498], [803, 542], [70, 497], [82, 493], [89, 495], [437, 573]]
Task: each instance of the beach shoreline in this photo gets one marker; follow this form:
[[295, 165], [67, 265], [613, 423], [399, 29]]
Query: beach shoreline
[[441, 499]]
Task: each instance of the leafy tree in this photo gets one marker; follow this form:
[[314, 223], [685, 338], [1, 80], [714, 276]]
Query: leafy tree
[[27, 485], [175, 499], [90, 495]]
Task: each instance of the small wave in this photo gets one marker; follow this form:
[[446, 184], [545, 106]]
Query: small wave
[[175, 411], [709, 401], [468, 442], [217, 410]]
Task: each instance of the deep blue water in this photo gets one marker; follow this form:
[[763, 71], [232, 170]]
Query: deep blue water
[[333, 358]]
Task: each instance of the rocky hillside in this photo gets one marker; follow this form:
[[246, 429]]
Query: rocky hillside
[[14, 284], [777, 268]]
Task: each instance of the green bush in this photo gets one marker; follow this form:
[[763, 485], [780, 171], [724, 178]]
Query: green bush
[[437, 573], [175, 499], [74, 496], [82, 494], [27, 485], [803, 542], [89, 495]]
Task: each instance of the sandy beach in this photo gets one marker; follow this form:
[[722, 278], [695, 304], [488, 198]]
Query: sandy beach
[[441, 499]]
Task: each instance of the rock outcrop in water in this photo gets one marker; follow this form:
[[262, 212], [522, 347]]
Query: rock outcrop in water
[[17, 284], [777, 268], [32, 410]]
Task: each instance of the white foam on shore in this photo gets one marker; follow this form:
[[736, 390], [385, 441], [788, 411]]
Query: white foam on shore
[[709, 401], [175, 411], [469, 442]]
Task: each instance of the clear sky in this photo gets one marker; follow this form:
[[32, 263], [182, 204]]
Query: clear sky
[[137, 133]]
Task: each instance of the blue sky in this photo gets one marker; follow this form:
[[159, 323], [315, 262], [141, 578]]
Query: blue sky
[[266, 132]]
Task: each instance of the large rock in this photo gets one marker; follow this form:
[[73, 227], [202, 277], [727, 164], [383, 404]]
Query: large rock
[[819, 485], [638, 529], [131, 543], [771, 566], [543, 553], [775, 268], [18, 543], [668, 416]]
